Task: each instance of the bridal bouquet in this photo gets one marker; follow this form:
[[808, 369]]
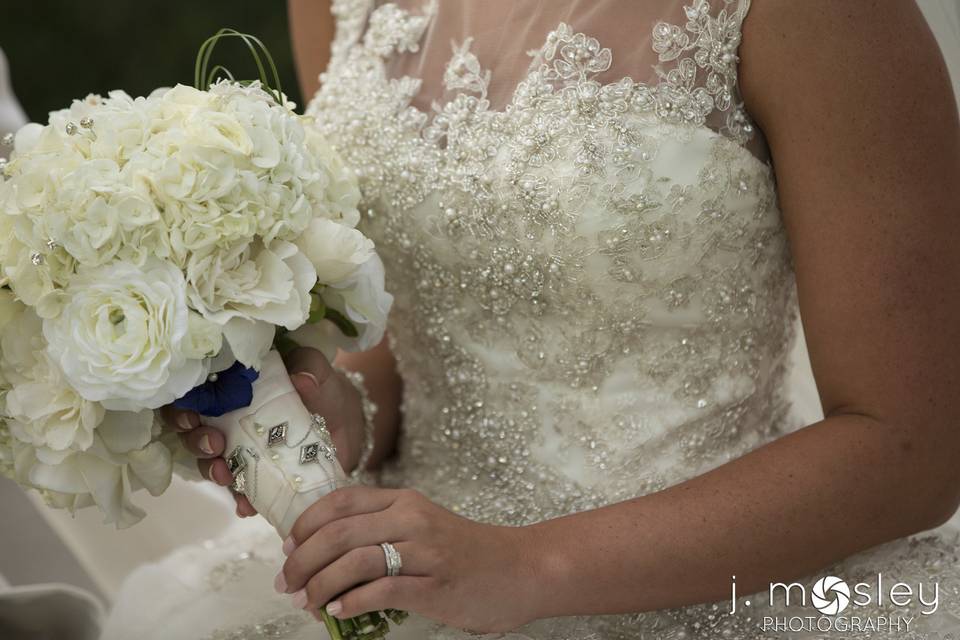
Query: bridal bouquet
[[154, 250]]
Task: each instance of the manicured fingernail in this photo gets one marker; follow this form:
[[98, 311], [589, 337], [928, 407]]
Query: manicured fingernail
[[289, 545], [309, 378], [333, 608], [204, 445], [280, 583], [300, 599], [183, 421], [223, 477]]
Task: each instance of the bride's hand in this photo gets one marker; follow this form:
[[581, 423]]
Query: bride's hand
[[456, 571], [322, 389]]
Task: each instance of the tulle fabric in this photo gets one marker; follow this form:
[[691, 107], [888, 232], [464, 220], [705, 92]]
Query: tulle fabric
[[505, 35]]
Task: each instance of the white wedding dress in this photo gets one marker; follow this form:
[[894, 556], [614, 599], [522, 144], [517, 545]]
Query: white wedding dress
[[594, 294]]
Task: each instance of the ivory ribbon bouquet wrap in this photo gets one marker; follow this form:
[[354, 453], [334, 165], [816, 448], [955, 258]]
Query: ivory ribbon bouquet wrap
[[155, 250]]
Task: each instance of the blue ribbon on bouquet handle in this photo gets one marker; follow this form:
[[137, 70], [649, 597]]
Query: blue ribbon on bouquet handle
[[223, 392]]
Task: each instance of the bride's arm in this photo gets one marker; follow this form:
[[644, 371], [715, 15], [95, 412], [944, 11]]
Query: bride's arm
[[864, 135], [311, 32]]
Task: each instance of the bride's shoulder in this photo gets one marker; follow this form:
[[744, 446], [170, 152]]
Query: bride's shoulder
[[312, 29], [840, 50]]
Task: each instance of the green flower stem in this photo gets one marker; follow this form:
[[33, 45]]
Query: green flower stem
[[366, 626], [396, 615], [332, 624]]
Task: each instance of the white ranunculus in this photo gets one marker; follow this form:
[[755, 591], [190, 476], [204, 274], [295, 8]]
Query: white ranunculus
[[250, 290], [46, 412], [335, 250], [204, 338], [122, 336]]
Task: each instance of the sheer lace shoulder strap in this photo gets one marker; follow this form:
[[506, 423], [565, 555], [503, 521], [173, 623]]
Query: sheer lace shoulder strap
[[351, 18], [698, 67]]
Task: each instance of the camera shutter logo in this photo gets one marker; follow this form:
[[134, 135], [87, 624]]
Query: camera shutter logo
[[830, 596]]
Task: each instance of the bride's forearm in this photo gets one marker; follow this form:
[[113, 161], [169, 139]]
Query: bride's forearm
[[385, 389], [783, 511]]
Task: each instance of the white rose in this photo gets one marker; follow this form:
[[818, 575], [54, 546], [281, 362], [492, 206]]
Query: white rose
[[46, 412], [250, 290], [335, 250], [363, 300], [122, 337]]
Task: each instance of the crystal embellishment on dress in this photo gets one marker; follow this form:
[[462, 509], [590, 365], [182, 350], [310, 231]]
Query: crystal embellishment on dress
[[277, 434], [593, 235], [594, 291]]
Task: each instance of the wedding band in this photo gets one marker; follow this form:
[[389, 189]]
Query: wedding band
[[392, 556]]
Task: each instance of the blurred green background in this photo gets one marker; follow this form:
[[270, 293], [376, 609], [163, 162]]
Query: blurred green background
[[64, 49]]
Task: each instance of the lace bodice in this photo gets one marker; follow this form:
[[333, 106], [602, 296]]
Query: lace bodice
[[593, 290]]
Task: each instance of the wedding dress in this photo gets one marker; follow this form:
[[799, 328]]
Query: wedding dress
[[594, 293]]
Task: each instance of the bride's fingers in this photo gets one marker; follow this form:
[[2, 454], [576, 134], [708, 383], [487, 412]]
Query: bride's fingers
[[342, 503], [402, 592], [244, 508], [306, 360], [333, 541], [204, 442], [179, 419], [215, 469], [360, 565], [310, 371]]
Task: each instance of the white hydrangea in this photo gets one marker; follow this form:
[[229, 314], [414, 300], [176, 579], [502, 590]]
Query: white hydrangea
[[178, 175]]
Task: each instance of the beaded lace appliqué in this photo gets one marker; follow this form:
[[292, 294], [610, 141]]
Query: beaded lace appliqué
[[548, 231]]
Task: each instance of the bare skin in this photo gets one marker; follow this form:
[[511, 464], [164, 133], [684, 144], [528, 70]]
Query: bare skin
[[865, 140]]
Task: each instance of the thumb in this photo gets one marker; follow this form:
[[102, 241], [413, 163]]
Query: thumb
[[327, 400], [309, 389]]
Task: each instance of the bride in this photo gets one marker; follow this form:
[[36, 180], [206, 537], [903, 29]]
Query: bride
[[599, 220]]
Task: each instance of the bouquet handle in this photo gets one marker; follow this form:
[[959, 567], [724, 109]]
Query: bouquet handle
[[280, 455]]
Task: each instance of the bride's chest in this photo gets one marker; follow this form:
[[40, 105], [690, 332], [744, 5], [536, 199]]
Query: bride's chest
[[579, 192]]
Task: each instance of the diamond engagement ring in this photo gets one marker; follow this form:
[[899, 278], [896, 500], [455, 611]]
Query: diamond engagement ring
[[392, 556]]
